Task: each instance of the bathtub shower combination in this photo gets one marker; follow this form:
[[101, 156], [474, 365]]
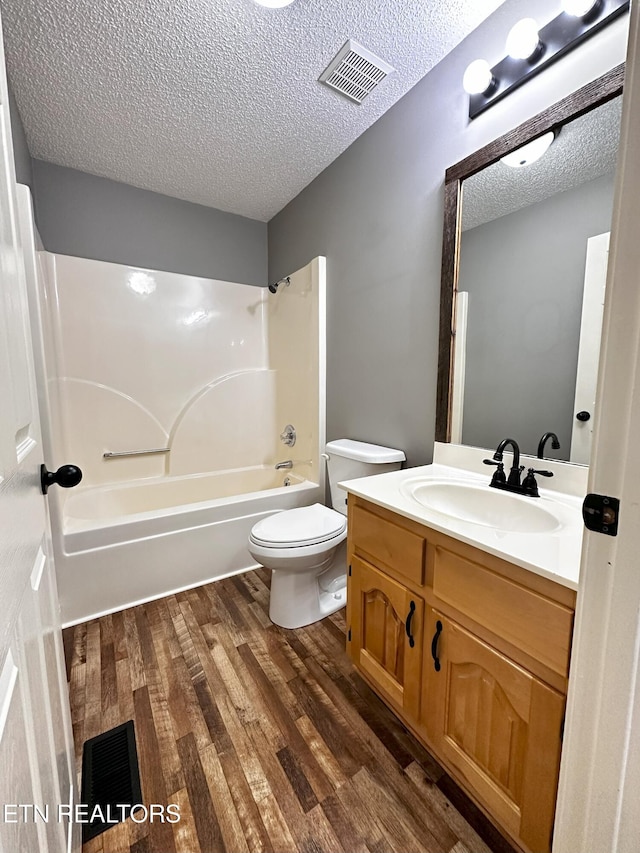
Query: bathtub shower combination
[[175, 405]]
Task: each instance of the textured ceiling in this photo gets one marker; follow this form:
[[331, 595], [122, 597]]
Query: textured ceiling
[[213, 101], [584, 150]]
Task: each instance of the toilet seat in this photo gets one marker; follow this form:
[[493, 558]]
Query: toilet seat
[[300, 527]]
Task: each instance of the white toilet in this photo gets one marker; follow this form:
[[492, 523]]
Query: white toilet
[[306, 547]]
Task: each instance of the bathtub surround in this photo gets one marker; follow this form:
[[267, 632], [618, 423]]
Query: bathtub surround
[[87, 216], [220, 371], [174, 361], [206, 372], [377, 214], [209, 369], [296, 325]]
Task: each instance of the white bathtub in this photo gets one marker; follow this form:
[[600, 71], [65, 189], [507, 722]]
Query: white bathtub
[[121, 545]]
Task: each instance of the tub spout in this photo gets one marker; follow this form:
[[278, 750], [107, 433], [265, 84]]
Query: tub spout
[[287, 464]]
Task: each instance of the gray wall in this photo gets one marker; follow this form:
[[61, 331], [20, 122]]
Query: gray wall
[[90, 217], [22, 157], [525, 274], [376, 213]]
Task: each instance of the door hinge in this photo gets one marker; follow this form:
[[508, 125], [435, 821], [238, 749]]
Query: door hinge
[[600, 514], [349, 635], [349, 569]]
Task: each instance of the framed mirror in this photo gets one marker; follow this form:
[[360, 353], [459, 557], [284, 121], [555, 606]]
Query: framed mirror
[[523, 272]]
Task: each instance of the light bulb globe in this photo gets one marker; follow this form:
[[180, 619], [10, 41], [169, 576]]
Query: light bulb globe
[[579, 8], [477, 78], [523, 39], [529, 153]]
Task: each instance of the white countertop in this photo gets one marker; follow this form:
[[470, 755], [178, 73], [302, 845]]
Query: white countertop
[[554, 555]]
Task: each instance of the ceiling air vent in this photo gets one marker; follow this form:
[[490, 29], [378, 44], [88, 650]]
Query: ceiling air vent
[[355, 71]]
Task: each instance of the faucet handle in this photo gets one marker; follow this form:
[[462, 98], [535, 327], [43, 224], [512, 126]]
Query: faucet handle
[[530, 485], [288, 435], [499, 477]]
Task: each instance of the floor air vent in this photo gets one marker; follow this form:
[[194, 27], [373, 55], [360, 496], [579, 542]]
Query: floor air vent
[[110, 778], [355, 71]]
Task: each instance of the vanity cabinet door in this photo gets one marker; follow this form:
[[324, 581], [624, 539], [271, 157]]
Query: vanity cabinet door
[[386, 635], [497, 726]]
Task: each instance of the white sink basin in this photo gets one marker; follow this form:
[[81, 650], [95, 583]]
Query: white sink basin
[[482, 505]]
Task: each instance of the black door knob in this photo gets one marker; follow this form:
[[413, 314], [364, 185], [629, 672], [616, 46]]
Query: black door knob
[[66, 476], [583, 416]]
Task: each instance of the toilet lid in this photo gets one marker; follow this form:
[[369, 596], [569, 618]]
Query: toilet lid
[[306, 525]]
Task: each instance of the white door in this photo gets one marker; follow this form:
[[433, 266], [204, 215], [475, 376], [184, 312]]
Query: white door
[[36, 757], [595, 281], [600, 772], [460, 362]]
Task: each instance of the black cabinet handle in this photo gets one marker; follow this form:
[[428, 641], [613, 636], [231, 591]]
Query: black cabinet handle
[[407, 624], [434, 646], [583, 416]]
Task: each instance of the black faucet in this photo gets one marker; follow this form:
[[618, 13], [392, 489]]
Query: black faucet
[[512, 483], [555, 443], [514, 475]]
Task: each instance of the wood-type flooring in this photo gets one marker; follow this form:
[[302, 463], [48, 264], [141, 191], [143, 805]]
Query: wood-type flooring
[[266, 739]]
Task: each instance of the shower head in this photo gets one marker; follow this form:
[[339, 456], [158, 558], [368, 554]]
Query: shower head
[[273, 288]]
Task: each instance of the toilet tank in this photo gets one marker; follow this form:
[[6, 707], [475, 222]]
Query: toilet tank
[[348, 459]]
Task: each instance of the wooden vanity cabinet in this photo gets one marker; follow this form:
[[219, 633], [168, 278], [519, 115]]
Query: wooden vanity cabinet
[[386, 636], [484, 684], [499, 727]]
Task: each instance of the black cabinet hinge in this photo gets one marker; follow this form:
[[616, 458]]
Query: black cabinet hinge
[[349, 635], [349, 569], [600, 514]]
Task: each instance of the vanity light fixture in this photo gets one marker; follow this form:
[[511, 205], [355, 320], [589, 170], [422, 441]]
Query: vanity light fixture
[[530, 49], [529, 153]]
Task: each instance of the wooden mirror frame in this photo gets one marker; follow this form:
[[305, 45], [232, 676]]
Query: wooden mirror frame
[[587, 98]]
